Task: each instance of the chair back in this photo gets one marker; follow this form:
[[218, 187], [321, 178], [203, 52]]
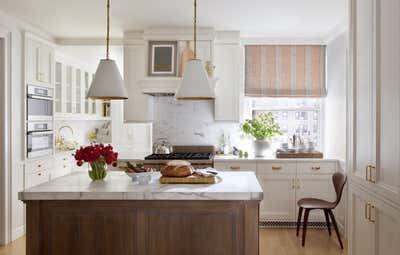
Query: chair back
[[339, 180]]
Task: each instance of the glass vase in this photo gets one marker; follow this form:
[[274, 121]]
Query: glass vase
[[98, 170]]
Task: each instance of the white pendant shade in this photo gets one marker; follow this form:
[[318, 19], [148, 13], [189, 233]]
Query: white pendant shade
[[107, 83], [195, 84]]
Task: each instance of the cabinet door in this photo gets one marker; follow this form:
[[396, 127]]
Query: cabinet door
[[45, 64], [388, 83], [364, 98], [279, 197], [387, 228], [361, 239], [315, 186], [31, 61], [227, 62]]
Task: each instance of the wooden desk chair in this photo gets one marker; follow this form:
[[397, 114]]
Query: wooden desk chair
[[308, 204]]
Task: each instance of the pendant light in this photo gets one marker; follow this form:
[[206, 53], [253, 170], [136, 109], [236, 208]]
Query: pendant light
[[107, 83], [195, 83]]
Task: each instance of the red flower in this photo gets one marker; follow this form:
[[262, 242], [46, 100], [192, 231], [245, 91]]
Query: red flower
[[96, 152]]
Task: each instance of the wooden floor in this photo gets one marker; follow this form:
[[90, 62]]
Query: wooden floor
[[272, 241]]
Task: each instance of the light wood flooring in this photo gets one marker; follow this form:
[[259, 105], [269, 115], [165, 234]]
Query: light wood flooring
[[272, 241]]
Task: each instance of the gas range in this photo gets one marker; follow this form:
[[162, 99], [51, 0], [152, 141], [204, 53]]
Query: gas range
[[200, 156]]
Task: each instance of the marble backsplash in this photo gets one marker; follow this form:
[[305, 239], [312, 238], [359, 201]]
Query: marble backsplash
[[192, 123]]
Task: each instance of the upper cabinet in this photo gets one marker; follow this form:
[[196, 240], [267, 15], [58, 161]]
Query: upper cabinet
[[376, 120], [228, 61], [39, 62], [72, 82]]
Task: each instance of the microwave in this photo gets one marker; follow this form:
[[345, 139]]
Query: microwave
[[40, 144], [37, 126], [39, 103]]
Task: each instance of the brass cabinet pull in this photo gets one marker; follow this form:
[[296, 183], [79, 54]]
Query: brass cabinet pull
[[235, 167], [276, 168], [366, 210], [369, 212], [40, 174], [316, 168], [39, 165], [366, 173], [370, 173]]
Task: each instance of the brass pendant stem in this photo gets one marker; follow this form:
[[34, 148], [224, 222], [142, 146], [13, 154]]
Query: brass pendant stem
[[108, 31], [195, 29]]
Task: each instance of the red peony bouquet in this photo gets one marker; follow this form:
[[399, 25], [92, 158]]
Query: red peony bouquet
[[98, 156]]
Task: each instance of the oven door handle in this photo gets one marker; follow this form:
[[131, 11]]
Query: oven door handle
[[41, 133], [41, 97]]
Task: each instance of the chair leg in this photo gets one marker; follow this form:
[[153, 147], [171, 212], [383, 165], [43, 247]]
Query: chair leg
[[328, 224], [336, 228], [299, 220], [306, 213]]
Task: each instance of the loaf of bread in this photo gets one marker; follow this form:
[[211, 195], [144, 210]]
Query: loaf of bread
[[177, 168]]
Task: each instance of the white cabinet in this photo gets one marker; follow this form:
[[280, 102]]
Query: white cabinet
[[39, 62], [37, 172], [228, 60], [284, 182], [72, 82], [63, 163], [315, 186], [376, 112], [279, 202], [374, 225]]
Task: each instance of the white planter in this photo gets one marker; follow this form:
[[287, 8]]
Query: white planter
[[261, 147]]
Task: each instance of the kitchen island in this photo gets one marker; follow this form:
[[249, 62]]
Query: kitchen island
[[73, 215]]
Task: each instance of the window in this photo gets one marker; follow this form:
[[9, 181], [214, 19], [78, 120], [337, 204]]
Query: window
[[300, 116]]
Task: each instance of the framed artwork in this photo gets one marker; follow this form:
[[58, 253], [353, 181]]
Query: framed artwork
[[162, 58]]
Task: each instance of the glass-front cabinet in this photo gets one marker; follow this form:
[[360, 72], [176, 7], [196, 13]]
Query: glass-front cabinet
[[72, 85]]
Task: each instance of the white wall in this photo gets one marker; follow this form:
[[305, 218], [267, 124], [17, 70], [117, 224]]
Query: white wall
[[335, 102], [16, 29]]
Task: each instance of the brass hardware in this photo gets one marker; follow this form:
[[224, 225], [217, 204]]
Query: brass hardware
[[366, 210], [366, 172], [370, 173], [316, 168], [39, 165], [39, 174], [369, 211], [235, 167], [65, 159], [276, 167]]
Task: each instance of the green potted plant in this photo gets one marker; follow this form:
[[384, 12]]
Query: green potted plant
[[262, 129]]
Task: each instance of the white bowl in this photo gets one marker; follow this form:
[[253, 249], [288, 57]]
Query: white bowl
[[142, 178]]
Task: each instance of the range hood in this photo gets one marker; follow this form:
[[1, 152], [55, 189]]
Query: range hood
[[163, 86]]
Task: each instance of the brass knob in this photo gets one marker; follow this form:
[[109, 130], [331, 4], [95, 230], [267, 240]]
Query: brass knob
[[39, 165], [276, 168], [39, 174], [316, 168]]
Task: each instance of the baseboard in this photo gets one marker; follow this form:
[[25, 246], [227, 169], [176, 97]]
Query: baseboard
[[17, 233]]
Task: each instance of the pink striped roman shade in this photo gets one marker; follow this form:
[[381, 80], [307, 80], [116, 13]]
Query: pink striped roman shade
[[285, 71]]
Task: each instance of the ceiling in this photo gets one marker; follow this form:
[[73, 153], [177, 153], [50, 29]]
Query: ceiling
[[267, 18]]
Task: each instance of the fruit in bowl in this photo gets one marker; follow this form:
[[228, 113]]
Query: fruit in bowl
[[139, 173]]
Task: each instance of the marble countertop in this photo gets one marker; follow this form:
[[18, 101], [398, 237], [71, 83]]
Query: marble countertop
[[229, 158], [118, 186]]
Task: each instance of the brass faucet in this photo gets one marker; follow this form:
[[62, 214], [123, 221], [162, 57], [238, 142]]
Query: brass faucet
[[60, 141]]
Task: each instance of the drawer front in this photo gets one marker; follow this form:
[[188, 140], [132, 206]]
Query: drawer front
[[236, 166], [316, 167], [39, 165], [61, 171], [276, 168], [34, 179]]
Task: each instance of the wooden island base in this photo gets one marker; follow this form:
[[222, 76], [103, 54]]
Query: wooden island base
[[152, 227]]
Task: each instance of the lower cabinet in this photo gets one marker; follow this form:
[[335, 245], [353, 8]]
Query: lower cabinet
[[284, 182], [374, 225], [279, 197]]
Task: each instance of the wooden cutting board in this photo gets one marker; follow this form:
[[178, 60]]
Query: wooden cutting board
[[314, 154], [193, 179]]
